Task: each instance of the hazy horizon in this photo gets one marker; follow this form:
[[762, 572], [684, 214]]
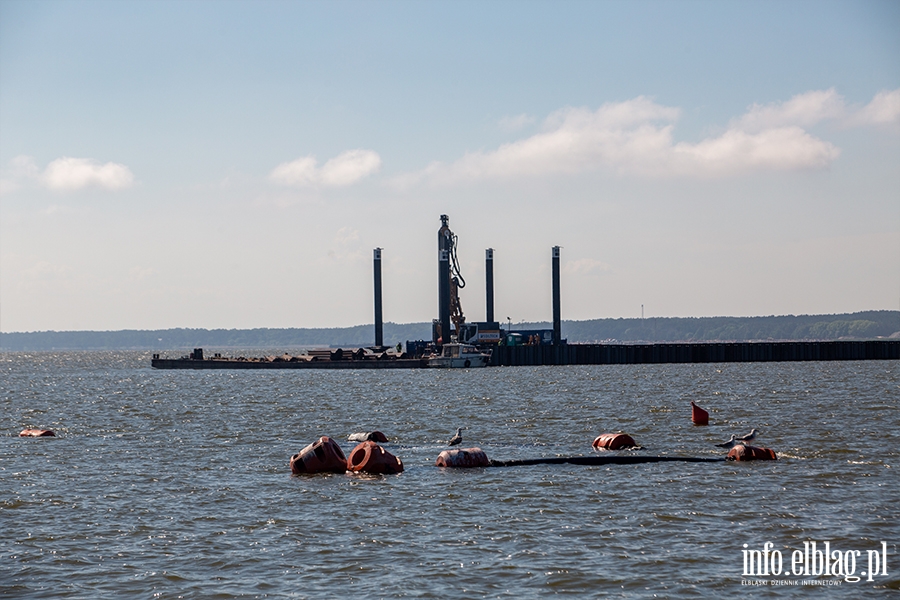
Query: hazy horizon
[[503, 323]]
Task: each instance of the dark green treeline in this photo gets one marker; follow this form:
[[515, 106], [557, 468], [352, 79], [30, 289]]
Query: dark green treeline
[[861, 325]]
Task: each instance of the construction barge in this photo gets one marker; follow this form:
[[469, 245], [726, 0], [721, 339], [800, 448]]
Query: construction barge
[[565, 354], [526, 347]]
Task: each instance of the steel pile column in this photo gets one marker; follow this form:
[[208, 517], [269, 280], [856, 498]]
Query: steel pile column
[[489, 284], [557, 324], [444, 244], [379, 325], [444, 291]]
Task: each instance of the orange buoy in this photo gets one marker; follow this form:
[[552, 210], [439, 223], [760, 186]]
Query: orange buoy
[[613, 441], [698, 415], [36, 433], [742, 453], [369, 457], [463, 458], [322, 456]]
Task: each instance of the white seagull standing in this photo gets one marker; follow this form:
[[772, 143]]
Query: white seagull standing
[[730, 443], [749, 437]]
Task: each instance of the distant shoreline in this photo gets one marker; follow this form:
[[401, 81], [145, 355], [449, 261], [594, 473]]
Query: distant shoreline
[[860, 325]]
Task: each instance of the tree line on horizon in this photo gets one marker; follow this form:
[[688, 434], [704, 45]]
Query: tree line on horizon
[[860, 325]]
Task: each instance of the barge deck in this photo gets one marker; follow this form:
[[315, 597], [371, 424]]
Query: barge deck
[[568, 354]]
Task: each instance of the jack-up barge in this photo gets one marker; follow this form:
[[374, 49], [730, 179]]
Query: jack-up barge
[[488, 345]]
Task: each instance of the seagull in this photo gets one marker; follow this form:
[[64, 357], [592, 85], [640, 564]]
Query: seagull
[[456, 439], [749, 437], [730, 443], [371, 436]]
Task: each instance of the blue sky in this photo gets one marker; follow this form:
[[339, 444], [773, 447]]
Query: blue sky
[[232, 164]]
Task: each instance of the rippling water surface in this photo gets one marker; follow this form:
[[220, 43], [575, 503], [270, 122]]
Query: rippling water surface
[[177, 484]]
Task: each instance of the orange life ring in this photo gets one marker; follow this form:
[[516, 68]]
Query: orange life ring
[[369, 457]]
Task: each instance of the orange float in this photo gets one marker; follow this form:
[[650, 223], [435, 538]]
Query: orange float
[[369, 457], [745, 453], [322, 456], [613, 441], [36, 433], [463, 458], [698, 415]]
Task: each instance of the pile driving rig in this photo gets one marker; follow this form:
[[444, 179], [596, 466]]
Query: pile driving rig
[[451, 319]]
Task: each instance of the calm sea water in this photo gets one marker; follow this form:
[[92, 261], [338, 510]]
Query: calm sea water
[[176, 483]]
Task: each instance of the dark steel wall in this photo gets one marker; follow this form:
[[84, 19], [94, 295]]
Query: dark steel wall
[[611, 354]]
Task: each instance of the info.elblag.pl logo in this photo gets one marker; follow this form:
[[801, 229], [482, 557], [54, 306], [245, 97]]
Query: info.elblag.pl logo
[[814, 560]]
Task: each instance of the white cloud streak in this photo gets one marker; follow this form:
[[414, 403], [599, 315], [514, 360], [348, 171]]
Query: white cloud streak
[[636, 136], [802, 110], [781, 148], [68, 174], [344, 169], [883, 109], [65, 174]]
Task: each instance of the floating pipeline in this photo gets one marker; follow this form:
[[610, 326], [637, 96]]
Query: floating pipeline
[[468, 458], [562, 354], [369, 457], [600, 460], [37, 433]]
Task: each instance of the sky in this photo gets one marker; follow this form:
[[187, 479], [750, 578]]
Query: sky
[[234, 164]]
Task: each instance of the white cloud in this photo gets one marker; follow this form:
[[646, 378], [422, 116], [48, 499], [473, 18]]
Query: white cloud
[[884, 108], [813, 107], [803, 110], [67, 174], [636, 137], [344, 169], [298, 172], [782, 148], [349, 167]]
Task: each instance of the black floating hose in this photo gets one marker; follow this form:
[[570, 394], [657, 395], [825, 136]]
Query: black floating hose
[[600, 460]]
